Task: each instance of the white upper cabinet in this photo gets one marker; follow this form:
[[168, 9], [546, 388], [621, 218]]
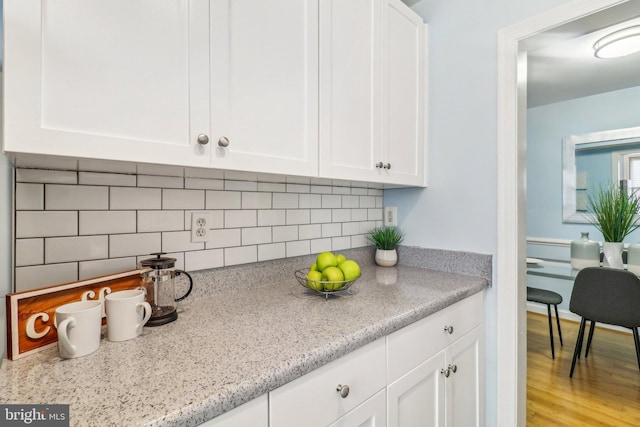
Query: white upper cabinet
[[118, 79], [372, 92], [264, 85]]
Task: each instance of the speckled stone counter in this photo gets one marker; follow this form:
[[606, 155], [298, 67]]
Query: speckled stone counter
[[233, 344]]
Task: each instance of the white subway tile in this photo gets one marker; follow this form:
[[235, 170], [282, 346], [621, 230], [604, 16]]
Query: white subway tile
[[160, 181], [204, 184], [223, 200], [107, 166], [310, 231], [331, 201], [240, 176], [298, 188], [29, 252], [240, 255], [285, 233], [224, 238], [366, 226], [321, 189], [183, 199], [75, 197], [179, 241], [161, 170], [320, 245], [135, 198], [254, 200], [359, 191], [160, 221], [340, 215], [107, 222], [272, 217], [320, 215], [89, 269], [46, 224], [46, 176], [341, 183], [321, 181], [29, 196], [359, 215], [67, 249], [256, 235], [272, 187], [375, 192], [350, 202], [367, 202], [374, 214], [310, 201], [271, 251], [359, 241], [203, 260], [113, 179], [122, 245], [298, 179], [331, 230], [236, 219], [298, 216], [298, 247], [340, 243], [341, 190], [285, 201], [350, 228], [204, 173], [271, 177], [379, 202], [38, 276], [240, 185], [217, 219]]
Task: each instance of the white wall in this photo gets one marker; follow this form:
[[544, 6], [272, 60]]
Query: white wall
[[458, 210]]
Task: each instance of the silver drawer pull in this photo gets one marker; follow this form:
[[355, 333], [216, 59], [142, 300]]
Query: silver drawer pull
[[343, 390], [223, 141], [203, 139], [379, 165], [449, 329], [387, 166], [445, 372], [454, 368]]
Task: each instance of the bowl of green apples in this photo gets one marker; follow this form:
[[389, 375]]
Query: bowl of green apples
[[330, 273]]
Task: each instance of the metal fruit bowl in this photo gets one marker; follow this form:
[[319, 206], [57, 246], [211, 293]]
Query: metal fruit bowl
[[320, 286]]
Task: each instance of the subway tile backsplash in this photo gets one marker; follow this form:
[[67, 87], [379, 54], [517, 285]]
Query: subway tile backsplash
[[76, 225]]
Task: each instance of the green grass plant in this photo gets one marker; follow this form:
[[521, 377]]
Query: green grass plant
[[615, 212], [385, 238]]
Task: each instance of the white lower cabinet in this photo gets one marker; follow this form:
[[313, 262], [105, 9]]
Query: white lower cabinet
[[254, 413], [372, 413]]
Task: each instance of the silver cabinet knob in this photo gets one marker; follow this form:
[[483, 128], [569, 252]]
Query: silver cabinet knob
[[454, 368], [343, 390], [445, 372], [449, 329], [386, 166], [223, 141], [379, 165], [203, 139]]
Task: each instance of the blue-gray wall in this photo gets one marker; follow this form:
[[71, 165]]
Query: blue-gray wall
[[546, 126]]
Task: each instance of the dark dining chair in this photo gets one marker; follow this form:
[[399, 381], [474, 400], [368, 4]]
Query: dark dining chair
[[605, 295], [548, 298]]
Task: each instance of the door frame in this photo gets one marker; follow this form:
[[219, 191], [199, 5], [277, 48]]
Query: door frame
[[511, 323]]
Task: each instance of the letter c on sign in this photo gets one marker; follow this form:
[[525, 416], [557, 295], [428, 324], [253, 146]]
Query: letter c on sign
[[31, 326]]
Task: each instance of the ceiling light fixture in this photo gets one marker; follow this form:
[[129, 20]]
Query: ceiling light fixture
[[619, 43]]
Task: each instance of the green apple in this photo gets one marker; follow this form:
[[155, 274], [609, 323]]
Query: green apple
[[326, 259], [314, 267], [340, 258], [332, 274], [313, 280], [350, 269]]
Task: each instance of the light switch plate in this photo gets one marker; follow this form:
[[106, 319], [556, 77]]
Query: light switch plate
[[200, 226]]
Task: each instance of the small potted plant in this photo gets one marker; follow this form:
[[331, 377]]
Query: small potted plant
[[615, 216], [386, 240]]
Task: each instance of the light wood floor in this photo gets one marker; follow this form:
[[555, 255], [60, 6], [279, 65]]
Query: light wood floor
[[604, 390]]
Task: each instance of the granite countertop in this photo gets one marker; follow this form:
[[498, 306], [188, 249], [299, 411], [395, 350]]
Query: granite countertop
[[230, 346]]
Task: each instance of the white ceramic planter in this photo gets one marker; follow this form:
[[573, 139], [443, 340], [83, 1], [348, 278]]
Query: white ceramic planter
[[612, 254], [386, 258]]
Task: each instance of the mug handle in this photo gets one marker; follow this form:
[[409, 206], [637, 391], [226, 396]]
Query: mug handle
[[177, 273], [147, 314], [63, 336]]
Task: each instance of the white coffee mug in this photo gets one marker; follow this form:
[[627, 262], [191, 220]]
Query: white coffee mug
[[79, 325], [127, 312]]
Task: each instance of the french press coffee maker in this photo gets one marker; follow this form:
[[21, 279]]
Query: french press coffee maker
[[159, 285]]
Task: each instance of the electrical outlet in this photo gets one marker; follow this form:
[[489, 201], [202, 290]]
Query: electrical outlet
[[200, 223], [390, 216]]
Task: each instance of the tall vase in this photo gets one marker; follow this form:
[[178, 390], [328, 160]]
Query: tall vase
[[633, 258], [585, 252], [612, 254]]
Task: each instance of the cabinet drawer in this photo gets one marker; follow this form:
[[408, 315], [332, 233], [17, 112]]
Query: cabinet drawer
[[415, 343], [313, 398]]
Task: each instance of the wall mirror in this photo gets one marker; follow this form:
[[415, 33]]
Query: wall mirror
[[593, 160]]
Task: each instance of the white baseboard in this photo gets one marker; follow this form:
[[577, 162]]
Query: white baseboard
[[567, 315]]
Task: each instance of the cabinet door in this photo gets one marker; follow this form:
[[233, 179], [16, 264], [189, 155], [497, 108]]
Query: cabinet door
[[371, 413], [464, 394], [350, 34], [254, 413], [403, 95], [417, 398], [119, 79], [264, 85]]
